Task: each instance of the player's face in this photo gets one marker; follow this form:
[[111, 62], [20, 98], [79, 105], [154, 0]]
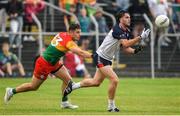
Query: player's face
[[126, 19], [76, 34]]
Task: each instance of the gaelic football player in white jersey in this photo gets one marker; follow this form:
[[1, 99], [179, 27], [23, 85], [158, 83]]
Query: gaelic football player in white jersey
[[119, 36]]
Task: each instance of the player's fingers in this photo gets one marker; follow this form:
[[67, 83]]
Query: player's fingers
[[148, 30], [143, 30]]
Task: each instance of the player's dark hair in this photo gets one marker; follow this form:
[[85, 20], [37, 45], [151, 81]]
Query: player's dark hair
[[120, 14], [73, 27]]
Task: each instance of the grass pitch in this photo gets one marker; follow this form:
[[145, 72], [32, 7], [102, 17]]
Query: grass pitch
[[134, 96]]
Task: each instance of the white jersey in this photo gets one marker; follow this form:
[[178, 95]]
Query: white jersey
[[108, 47], [111, 43]]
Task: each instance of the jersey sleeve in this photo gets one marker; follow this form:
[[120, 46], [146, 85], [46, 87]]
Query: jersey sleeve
[[71, 44], [118, 34]]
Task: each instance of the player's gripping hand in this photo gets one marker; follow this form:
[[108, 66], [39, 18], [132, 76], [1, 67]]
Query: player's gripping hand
[[145, 33], [138, 49]]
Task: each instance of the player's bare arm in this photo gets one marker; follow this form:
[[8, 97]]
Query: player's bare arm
[[130, 50], [125, 43], [81, 52]]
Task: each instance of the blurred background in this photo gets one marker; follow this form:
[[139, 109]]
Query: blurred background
[[27, 27]]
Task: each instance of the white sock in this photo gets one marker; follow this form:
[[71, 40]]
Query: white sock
[[76, 86], [65, 102], [11, 92], [111, 103]]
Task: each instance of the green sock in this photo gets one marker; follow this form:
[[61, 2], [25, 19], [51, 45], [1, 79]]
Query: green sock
[[14, 91], [64, 99]]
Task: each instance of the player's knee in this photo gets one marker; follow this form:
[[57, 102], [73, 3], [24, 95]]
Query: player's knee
[[115, 81]]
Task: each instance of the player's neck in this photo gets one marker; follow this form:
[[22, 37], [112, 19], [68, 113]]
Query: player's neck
[[69, 33], [123, 26]]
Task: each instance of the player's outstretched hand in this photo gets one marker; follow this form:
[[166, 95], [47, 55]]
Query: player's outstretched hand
[[145, 33]]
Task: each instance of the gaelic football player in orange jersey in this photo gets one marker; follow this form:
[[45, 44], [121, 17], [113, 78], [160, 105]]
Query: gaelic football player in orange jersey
[[49, 63]]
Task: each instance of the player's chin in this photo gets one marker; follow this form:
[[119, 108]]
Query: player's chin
[[128, 25], [77, 39]]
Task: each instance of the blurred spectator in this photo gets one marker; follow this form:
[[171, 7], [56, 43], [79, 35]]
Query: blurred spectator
[[3, 6], [1, 73], [136, 10], [68, 19], [103, 28], [9, 61], [15, 10], [176, 15], [159, 7], [31, 7], [66, 4], [122, 4], [75, 64], [117, 4], [92, 4], [84, 20], [69, 62], [81, 70], [89, 2]]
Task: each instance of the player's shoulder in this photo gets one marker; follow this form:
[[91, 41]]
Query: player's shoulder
[[117, 29], [65, 36]]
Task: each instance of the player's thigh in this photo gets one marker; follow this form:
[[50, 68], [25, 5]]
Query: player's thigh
[[63, 74], [108, 72], [99, 76]]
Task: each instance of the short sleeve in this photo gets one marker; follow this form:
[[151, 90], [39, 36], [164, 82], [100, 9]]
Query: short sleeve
[[71, 44], [118, 33]]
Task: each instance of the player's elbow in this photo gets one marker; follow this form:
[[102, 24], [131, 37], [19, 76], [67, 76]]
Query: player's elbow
[[124, 44]]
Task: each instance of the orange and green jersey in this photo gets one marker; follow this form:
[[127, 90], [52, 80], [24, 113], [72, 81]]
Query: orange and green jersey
[[60, 44]]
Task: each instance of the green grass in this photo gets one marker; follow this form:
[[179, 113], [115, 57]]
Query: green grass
[[134, 96]]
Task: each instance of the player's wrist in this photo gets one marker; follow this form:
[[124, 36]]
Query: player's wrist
[[140, 37], [136, 51]]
